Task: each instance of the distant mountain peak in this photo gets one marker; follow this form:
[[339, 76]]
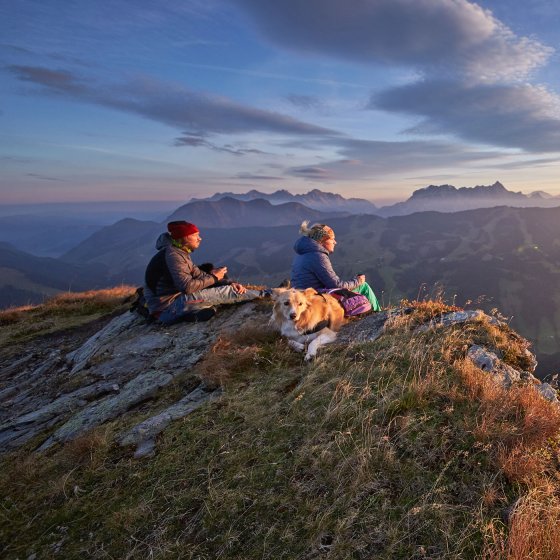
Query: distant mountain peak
[[434, 190], [441, 191], [540, 194], [448, 198], [315, 199]]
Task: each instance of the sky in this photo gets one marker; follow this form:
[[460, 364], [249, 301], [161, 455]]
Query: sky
[[169, 100]]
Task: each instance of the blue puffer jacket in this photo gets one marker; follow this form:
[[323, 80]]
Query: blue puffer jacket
[[312, 267]]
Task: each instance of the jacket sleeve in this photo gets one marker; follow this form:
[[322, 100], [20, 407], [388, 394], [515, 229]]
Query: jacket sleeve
[[322, 268], [187, 277]]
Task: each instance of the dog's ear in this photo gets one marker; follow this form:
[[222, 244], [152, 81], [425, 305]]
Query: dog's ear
[[309, 292], [277, 292]]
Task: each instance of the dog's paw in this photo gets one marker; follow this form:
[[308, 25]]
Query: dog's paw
[[309, 357], [297, 346]]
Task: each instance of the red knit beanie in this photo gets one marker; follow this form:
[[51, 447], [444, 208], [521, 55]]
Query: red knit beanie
[[181, 229]]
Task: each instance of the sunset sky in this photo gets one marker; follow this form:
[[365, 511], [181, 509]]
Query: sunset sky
[[166, 100]]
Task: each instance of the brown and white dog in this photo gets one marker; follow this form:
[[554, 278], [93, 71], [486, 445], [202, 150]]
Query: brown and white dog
[[305, 317]]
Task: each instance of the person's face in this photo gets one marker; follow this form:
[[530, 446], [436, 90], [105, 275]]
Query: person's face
[[329, 243], [192, 241]]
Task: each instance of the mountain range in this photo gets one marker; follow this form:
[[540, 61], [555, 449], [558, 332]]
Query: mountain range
[[232, 212], [315, 199], [439, 198], [56, 229], [447, 198], [28, 279]]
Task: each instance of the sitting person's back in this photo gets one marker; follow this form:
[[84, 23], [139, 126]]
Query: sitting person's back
[[312, 268]]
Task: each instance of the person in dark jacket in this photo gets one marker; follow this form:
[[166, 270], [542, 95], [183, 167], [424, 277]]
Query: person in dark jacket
[[312, 268], [175, 288]]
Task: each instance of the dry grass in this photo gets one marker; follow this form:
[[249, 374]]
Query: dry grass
[[514, 417], [393, 450], [60, 312], [427, 310], [234, 354], [69, 302], [520, 429], [533, 527]]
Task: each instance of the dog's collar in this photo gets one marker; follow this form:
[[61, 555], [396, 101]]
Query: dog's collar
[[318, 327]]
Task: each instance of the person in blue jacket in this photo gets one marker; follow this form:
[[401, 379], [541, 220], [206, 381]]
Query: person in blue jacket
[[312, 266]]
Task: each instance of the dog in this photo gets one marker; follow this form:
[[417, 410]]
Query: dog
[[306, 317]]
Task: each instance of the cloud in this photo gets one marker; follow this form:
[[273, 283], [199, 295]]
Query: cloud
[[198, 140], [304, 101], [509, 115], [472, 66], [254, 177], [53, 80], [171, 104], [451, 37], [15, 49], [363, 159], [312, 172], [524, 164], [45, 177]]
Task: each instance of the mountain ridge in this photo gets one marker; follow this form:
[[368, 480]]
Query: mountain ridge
[[448, 198], [230, 212], [314, 199]]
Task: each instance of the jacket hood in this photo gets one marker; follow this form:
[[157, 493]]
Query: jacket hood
[[307, 245], [163, 241]]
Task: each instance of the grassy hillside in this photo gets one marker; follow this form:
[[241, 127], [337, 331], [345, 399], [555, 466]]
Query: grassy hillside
[[66, 312], [395, 449]]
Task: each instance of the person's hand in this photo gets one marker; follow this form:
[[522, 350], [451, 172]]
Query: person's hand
[[238, 288], [219, 273], [361, 278]]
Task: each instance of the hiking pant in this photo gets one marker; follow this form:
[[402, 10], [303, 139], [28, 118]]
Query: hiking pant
[[185, 304], [365, 290]]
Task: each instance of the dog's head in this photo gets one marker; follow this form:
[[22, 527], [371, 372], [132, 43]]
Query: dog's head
[[289, 304]]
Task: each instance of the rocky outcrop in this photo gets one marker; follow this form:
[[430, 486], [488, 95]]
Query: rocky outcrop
[[123, 365], [143, 435], [507, 375], [56, 396]]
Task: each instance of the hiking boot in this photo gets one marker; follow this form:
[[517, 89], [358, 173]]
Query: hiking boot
[[200, 315]]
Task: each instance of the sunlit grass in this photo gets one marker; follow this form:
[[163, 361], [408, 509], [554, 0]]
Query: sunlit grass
[[396, 449], [62, 311]]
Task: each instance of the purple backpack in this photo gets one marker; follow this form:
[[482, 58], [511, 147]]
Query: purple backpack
[[352, 303]]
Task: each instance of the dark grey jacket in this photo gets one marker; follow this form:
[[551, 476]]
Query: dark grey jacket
[[181, 277], [312, 268]]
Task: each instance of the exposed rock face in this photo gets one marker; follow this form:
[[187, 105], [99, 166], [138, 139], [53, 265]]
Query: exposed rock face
[[57, 397], [143, 435], [488, 361], [125, 363], [506, 375]]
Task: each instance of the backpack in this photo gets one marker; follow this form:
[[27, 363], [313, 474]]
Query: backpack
[[352, 302], [140, 306]]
